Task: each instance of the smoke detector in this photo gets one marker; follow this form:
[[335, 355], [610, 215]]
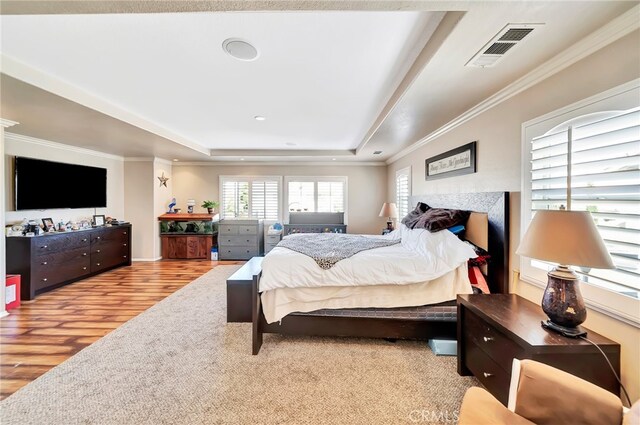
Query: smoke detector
[[503, 43]]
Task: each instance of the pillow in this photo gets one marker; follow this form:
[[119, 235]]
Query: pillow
[[457, 229], [436, 219], [410, 219]]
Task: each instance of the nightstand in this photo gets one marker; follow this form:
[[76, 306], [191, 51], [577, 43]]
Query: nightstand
[[495, 329]]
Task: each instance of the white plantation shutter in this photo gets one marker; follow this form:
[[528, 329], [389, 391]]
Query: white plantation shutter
[[604, 175], [250, 197], [265, 199], [235, 199], [330, 196], [403, 191], [301, 196]]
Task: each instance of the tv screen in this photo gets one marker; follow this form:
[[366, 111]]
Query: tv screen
[[41, 185]]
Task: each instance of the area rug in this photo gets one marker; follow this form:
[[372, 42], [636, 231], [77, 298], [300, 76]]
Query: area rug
[[180, 363]]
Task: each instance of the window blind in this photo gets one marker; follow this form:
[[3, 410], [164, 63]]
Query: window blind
[[330, 197], [235, 199], [402, 193], [265, 199], [595, 166]]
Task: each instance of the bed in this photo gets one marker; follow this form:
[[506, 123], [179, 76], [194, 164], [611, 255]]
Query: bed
[[309, 313]]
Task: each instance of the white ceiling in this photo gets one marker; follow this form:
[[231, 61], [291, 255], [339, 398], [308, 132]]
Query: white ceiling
[[327, 82]]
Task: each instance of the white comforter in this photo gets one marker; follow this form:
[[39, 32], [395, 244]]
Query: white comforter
[[421, 256]]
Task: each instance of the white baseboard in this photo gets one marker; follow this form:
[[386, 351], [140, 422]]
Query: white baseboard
[[146, 259]]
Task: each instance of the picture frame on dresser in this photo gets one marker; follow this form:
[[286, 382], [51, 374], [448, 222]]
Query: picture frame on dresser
[[98, 220], [48, 224]]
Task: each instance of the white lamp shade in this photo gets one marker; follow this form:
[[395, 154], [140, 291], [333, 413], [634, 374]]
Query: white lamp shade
[[565, 237], [389, 209]]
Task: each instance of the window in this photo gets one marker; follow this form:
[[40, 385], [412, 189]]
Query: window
[[316, 194], [403, 191], [588, 158], [250, 197]]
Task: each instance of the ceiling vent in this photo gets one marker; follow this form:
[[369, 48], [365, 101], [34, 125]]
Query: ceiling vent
[[377, 152], [501, 44]]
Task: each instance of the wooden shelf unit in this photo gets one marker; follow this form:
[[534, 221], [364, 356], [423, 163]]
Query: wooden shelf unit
[[185, 245]]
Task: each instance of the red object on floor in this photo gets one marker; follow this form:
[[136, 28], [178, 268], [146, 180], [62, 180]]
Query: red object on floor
[[477, 278], [12, 291]]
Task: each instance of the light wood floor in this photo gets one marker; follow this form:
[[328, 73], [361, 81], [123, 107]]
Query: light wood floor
[[48, 330]]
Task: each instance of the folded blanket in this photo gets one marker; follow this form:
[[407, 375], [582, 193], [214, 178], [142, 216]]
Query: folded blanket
[[327, 249]]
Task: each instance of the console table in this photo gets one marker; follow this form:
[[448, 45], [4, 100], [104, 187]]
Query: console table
[[494, 329], [51, 260]]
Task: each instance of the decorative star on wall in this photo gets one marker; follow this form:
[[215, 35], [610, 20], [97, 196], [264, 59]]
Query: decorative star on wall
[[163, 180]]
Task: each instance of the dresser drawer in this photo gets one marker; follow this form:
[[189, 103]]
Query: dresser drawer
[[493, 342], [47, 273], [247, 230], [489, 373], [228, 229], [237, 253], [109, 236], [48, 244], [248, 241]]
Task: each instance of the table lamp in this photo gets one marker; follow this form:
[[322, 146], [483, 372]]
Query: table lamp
[[390, 211], [568, 238]]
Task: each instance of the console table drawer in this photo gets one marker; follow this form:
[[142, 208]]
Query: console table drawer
[[49, 274]]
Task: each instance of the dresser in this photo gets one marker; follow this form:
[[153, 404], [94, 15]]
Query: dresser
[[240, 239], [494, 329], [54, 259]]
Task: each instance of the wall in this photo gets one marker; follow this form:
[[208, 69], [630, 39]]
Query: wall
[[161, 198], [498, 132], [41, 149], [366, 191]]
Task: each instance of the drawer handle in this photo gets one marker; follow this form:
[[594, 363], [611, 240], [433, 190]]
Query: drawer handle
[[44, 264], [98, 238], [84, 268], [248, 240], [45, 246], [84, 254], [97, 250], [488, 338], [44, 280], [97, 264], [84, 240], [487, 375], [124, 244], [124, 256], [124, 233]]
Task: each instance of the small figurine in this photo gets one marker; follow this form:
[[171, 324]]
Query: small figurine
[[171, 205]]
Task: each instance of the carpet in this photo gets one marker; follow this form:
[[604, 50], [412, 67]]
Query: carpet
[[179, 362]]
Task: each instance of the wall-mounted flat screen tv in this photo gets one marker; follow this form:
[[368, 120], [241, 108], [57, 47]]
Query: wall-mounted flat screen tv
[[42, 185]]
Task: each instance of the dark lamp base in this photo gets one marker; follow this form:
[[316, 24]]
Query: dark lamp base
[[576, 332]]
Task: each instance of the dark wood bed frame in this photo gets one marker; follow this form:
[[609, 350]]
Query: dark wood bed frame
[[494, 204]]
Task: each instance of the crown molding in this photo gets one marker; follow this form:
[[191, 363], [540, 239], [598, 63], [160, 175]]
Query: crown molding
[[7, 123], [280, 163], [138, 159], [162, 161], [55, 85], [61, 146], [612, 31]]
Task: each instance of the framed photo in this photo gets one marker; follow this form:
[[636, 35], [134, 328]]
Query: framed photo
[[48, 224], [455, 162], [98, 220]]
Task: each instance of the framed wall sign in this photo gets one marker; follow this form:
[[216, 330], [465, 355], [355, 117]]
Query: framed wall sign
[[455, 162]]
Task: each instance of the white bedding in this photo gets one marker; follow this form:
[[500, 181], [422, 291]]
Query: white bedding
[[277, 303], [420, 257]]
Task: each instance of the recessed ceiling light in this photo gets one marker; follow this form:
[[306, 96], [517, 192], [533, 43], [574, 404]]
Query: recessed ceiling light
[[290, 144], [259, 118], [240, 49], [175, 160], [241, 159], [333, 159]]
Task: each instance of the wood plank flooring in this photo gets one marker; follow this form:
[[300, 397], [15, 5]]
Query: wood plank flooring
[[48, 330]]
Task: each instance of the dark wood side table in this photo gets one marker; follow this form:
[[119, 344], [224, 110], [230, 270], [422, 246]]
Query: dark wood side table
[[495, 329]]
